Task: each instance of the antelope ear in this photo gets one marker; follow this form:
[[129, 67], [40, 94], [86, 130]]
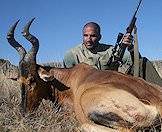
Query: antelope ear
[[44, 74], [45, 77]]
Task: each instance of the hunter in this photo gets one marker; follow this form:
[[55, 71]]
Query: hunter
[[97, 54]]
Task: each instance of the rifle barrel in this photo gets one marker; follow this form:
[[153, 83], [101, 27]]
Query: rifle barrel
[[133, 20], [138, 6]]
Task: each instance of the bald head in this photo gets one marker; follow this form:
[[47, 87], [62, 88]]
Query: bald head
[[93, 25]]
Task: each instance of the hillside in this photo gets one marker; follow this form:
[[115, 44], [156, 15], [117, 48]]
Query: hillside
[[8, 75]]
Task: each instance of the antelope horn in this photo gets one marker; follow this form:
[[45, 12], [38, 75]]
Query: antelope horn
[[22, 53], [14, 43], [31, 55]]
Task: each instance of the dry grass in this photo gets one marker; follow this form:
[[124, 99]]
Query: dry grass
[[44, 119]]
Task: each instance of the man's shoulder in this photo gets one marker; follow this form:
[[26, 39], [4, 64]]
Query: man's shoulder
[[70, 56], [78, 47], [73, 50]]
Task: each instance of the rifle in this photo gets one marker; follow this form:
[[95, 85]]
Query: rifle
[[117, 55]]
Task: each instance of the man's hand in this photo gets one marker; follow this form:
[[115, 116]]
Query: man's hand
[[127, 39]]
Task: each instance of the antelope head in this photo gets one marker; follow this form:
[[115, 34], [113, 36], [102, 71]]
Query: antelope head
[[33, 88]]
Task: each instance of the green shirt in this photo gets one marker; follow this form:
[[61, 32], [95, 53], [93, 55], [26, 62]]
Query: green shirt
[[97, 59], [102, 55]]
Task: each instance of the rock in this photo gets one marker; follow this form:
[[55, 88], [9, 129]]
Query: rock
[[9, 85], [158, 66], [8, 70]]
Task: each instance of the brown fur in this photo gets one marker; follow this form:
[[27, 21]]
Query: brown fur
[[131, 98]]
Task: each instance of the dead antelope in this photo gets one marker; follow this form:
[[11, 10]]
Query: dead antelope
[[103, 100], [109, 98]]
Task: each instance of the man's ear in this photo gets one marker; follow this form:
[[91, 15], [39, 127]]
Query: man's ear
[[99, 37]]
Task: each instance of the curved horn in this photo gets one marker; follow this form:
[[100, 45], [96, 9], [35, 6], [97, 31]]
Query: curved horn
[[13, 42], [22, 53], [35, 43]]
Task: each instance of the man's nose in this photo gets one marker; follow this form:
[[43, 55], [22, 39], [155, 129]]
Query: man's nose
[[89, 38]]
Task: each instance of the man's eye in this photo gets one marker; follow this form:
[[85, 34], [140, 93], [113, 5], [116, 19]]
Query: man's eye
[[94, 35], [85, 35]]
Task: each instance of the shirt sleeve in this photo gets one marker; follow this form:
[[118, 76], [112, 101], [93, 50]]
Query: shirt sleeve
[[127, 59], [69, 60]]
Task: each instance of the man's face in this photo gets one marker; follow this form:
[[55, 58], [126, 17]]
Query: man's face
[[91, 37]]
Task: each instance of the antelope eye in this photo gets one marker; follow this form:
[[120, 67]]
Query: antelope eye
[[31, 80]]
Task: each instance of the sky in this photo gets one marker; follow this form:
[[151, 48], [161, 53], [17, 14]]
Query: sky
[[58, 25]]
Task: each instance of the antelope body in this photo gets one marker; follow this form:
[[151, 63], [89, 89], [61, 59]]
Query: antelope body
[[109, 98], [102, 100]]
